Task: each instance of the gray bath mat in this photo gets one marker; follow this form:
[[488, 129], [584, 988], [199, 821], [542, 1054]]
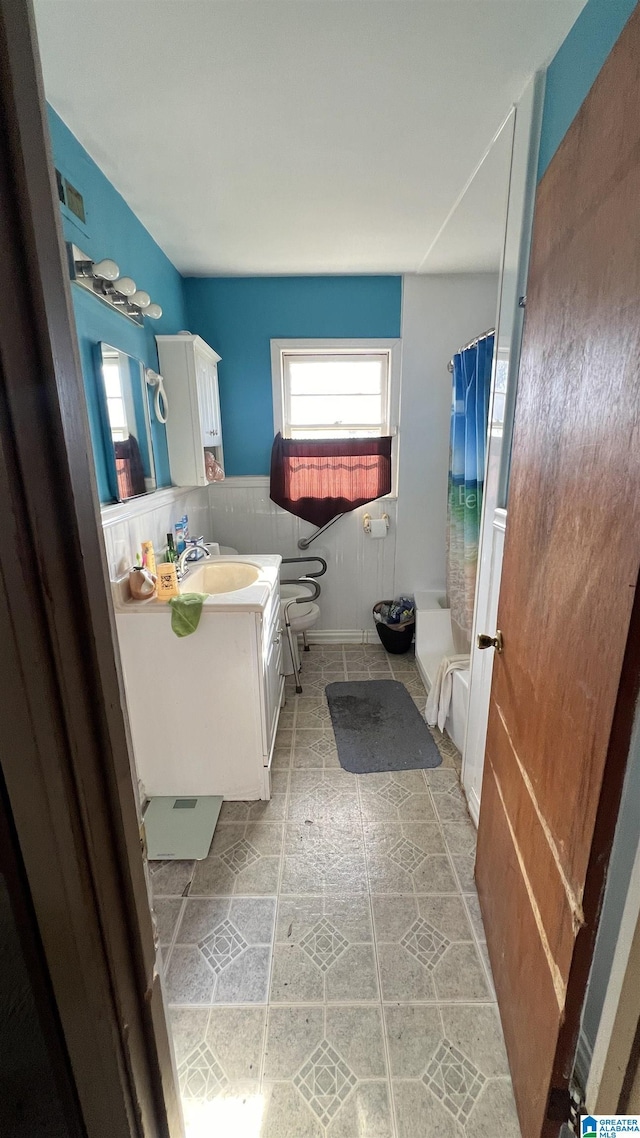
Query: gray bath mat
[[379, 728]]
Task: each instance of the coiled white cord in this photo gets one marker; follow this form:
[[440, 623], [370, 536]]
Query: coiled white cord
[[160, 402]]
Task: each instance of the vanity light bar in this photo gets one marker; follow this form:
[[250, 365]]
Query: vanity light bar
[[102, 279]]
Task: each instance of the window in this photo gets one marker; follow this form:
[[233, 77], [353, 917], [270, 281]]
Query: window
[[115, 399], [333, 389], [329, 396]]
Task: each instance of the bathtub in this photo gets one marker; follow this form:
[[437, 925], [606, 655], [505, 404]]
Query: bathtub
[[433, 641]]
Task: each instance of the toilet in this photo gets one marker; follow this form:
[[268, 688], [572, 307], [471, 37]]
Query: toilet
[[298, 616], [297, 619]]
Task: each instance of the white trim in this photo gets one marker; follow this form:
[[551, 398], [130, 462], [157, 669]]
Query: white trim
[[113, 513], [583, 1060], [190, 338], [336, 636], [339, 347], [604, 1036], [242, 481], [509, 318], [500, 519], [343, 636], [392, 345], [263, 482]]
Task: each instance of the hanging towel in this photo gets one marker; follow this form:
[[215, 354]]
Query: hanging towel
[[186, 611], [439, 698]]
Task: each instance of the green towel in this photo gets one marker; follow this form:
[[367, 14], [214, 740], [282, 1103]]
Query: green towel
[[186, 611]]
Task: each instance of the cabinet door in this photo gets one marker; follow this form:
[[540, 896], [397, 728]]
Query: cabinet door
[[208, 403], [216, 420], [272, 686]]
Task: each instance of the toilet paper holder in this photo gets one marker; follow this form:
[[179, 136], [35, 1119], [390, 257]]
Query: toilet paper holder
[[367, 519]]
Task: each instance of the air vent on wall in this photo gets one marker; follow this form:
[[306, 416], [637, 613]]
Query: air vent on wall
[[71, 197]]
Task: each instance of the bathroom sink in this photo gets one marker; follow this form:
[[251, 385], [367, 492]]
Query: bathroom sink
[[223, 577]]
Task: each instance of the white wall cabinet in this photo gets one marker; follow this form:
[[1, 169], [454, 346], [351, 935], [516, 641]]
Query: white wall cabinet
[[189, 368]]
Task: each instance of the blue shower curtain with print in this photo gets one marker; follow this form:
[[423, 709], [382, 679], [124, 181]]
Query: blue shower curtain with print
[[469, 418]]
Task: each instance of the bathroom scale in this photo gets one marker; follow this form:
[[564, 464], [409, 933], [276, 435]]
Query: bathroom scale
[[180, 829]]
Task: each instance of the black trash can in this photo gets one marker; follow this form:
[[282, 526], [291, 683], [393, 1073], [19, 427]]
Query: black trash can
[[396, 638]]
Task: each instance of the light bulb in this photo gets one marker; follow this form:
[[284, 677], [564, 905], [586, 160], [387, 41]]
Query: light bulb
[[153, 310], [141, 298], [126, 286], [106, 270]]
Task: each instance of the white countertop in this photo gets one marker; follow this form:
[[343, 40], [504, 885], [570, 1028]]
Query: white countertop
[[253, 598]]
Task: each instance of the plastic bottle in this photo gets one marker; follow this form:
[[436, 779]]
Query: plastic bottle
[[171, 554]]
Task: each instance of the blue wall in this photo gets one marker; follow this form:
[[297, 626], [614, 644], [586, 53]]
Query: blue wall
[[238, 316], [114, 231], [576, 64]]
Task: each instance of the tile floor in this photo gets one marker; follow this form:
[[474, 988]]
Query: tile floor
[[325, 966]]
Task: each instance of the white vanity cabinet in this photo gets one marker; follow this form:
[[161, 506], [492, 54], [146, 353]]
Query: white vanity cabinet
[[189, 369], [204, 708]]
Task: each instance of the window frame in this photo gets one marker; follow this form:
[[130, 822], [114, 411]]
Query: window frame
[[319, 430], [339, 347]]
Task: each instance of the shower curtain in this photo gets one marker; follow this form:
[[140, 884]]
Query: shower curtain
[[469, 417]]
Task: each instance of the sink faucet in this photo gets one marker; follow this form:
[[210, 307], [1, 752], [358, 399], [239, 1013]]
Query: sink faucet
[[180, 566]]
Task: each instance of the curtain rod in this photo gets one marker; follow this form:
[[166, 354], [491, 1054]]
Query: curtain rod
[[472, 344]]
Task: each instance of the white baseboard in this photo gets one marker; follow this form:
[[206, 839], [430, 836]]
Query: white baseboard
[[343, 636], [474, 807], [423, 675]]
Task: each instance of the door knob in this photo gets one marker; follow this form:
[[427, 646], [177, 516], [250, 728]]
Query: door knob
[[496, 641]]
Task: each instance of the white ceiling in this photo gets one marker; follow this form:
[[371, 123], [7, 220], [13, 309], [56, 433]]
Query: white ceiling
[[299, 136], [472, 237]]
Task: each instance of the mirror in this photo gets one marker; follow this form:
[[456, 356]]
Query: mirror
[[129, 424]]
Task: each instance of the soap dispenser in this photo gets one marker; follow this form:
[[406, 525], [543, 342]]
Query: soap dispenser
[[142, 584]]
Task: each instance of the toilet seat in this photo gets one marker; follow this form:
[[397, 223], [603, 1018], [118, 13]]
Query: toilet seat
[[301, 618], [287, 593]]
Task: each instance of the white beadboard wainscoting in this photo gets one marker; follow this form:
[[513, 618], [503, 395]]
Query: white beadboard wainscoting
[[150, 518], [360, 570]]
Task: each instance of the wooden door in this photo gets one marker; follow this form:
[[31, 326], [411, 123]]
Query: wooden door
[[564, 688], [65, 766]]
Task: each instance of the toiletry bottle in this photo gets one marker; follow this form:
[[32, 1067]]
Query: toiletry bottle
[[167, 581], [179, 528], [148, 556], [142, 583], [185, 527], [170, 555]]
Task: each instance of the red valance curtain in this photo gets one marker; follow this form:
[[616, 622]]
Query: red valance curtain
[[129, 468], [317, 480]]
